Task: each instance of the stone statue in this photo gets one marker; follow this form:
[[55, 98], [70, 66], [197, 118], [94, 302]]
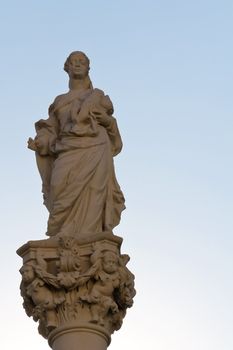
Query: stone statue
[[74, 150], [75, 283]]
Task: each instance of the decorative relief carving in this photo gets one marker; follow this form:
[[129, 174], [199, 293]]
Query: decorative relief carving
[[91, 284]]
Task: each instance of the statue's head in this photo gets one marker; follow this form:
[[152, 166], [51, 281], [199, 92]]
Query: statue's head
[[77, 65], [27, 272], [110, 262]]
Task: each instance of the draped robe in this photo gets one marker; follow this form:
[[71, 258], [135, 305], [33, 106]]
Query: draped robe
[[75, 161]]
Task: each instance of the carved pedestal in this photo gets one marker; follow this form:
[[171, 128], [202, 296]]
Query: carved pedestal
[[77, 289]]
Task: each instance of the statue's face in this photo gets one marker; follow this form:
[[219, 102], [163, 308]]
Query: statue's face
[[78, 66], [110, 263], [28, 274]]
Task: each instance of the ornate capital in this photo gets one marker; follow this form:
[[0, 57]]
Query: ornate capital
[[76, 284]]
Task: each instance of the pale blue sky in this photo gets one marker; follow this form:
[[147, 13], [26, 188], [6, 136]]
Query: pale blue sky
[[168, 68]]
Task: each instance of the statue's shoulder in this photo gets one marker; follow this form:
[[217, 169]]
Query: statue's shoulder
[[104, 99], [57, 101], [98, 92], [60, 98]]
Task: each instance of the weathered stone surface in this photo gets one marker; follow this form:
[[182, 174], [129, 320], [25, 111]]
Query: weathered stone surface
[[74, 151], [76, 283], [66, 282]]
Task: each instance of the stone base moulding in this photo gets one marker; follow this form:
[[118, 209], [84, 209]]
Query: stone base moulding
[[79, 338]]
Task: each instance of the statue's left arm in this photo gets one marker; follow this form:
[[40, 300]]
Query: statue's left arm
[[105, 118], [44, 147], [114, 136]]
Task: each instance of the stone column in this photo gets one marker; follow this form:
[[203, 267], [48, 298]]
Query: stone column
[[79, 338], [77, 289]]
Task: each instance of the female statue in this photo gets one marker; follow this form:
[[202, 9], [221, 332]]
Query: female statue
[[74, 150]]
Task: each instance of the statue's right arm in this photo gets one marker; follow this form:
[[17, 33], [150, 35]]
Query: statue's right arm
[[47, 132]]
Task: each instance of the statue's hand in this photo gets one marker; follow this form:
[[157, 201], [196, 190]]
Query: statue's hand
[[32, 144], [114, 307], [102, 118], [35, 144]]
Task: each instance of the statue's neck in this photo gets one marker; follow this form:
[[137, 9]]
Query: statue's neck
[[80, 84]]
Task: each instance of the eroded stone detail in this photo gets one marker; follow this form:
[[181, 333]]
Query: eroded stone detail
[[87, 283], [76, 283]]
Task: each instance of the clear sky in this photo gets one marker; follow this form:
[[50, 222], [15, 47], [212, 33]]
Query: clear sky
[[168, 68]]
